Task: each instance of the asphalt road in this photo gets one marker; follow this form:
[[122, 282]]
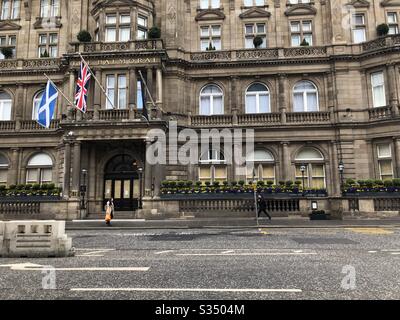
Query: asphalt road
[[296, 263]]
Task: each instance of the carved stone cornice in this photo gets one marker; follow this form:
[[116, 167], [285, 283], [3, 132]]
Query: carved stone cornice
[[45, 23], [210, 14], [359, 3], [255, 13], [390, 3], [6, 25], [301, 10]]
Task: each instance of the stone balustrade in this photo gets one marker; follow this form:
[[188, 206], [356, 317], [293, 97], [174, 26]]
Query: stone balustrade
[[39, 65], [215, 120], [114, 114], [380, 113], [307, 117], [259, 118], [136, 45], [32, 125], [7, 125]]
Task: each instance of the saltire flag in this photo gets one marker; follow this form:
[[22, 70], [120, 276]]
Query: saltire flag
[[47, 105], [144, 104], [82, 86]]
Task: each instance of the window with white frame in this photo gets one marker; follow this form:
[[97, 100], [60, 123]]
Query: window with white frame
[[305, 97], [211, 100], [49, 8], [313, 162], [116, 87], [142, 27], [301, 31], [209, 4], [378, 89], [260, 166], [48, 45], [358, 28], [257, 99], [3, 169], [118, 27], [5, 106], [392, 21], [253, 3], [252, 30], [212, 166], [39, 169], [8, 42], [36, 103], [210, 38], [10, 9], [385, 161]]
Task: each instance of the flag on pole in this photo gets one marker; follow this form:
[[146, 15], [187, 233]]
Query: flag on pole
[[47, 105], [142, 97], [82, 86]]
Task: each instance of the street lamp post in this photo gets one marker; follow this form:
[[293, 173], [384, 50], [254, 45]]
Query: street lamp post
[[302, 169], [140, 171], [341, 169]]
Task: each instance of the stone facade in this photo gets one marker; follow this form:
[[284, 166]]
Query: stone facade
[[348, 89]]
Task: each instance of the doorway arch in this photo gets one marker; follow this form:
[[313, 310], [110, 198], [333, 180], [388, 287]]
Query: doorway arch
[[121, 183]]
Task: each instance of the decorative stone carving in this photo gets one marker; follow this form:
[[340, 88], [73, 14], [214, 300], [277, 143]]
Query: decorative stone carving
[[210, 14], [47, 23], [359, 3], [257, 54], [375, 44], [304, 51], [255, 13], [301, 10], [9, 25], [211, 56], [390, 3]]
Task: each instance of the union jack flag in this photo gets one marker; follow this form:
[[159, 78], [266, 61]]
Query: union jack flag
[[82, 86]]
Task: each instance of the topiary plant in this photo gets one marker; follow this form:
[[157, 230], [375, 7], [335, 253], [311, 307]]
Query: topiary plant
[[84, 36], [382, 29], [257, 41], [154, 32], [304, 43]]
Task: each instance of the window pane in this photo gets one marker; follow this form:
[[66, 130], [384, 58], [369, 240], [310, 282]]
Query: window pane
[[384, 150], [260, 2], [110, 34], [205, 173], [306, 26], [122, 92], [359, 35], [111, 19], [139, 100], [215, 4], [124, 34], [117, 189], [46, 175], [260, 28], [312, 103], [308, 38], [318, 183], [107, 189], [136, 189], [264, 103], [249, 29], [385, 167], [204, 31], [142, 21], [204, 4], [3, 176], [216, 30], [32, 175], [205, 106], [249, 44], [392, 17], [295, 26], [251, 104], [298, 102], [268, 172], [217, 105], [220, 173], [125, 18], [295, 40], [318, 170], [5, 110], [127, 189], [217, 44], [358, 19], [393, 30]]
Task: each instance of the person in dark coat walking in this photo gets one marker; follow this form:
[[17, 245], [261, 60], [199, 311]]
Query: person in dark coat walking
[[262, 206]]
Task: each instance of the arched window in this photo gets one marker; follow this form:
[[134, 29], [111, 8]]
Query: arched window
[[262, 166], [257, 99], [3, 170], [312, 162], [36, 103], [39, 169], [5, 106], [305, 97], [211, 100], [212, 166]]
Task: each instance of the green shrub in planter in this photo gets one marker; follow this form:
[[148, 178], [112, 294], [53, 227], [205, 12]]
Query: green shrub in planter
[[350, 181], [281, 182], [154, 33], [396, 182], [198, 184], [180, 184], [289, 183], [84, 36], [257, 41], [388, 183], [270, 183], [369, 183], [216, 184], [3, 188], [172, 184], [378, 182], [241, 183], [297, 183], [361, 182], [234, 183], [28, 186], [304, 43], [7, 52], [45, 54], [189, 183], [225, 183], [260, 183], [12, 186], [165, 183], [207, 183], [382, 29], [20, 187], [36, 186]]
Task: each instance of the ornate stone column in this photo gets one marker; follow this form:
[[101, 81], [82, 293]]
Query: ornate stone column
[[286, 165], [97, 96], [148, 172], [393, 101], [159, 86], [76, 168], [67, 168], [13, 171], [282, 101], [397, 156], [132, 93], [334, 169]]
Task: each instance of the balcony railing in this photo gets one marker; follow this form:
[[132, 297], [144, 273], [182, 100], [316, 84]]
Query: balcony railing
[[7, 125], [259, 119], [215, 120], [134, 45], [380, 113], [114, 114], [307, 117], [32, 125]]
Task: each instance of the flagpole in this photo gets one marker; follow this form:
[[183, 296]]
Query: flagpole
[[58, 89], [147, 88], [98, 82]]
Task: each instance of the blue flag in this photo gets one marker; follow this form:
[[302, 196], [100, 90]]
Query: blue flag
[[47, 105]]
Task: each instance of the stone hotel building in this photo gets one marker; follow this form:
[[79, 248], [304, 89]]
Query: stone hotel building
[[321, 88]]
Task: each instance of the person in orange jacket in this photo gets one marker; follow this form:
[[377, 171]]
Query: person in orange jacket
[[108, 213]]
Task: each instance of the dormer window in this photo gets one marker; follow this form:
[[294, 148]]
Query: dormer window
[[209, 4], [10, 9], [49, 8]]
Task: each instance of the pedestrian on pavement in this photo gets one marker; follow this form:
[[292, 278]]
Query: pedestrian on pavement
[[112, 208], [108, 213], [262, 206]]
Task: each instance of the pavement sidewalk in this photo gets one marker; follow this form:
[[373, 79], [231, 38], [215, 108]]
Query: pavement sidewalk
[[193, 223]]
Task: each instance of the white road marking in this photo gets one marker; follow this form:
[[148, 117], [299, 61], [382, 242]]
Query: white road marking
[[372, 251], [185, 290], [228, 251], [247, 254], [89, 255], [165, 251], [395, 253], [102, 220], [37, 267], [93, 249]]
